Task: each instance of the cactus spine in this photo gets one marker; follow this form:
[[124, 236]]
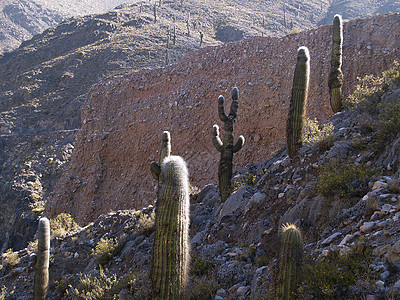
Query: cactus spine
[[298, 101], [171, 245], [335, 81], [290, 259], [41, 280], [226, 148], [164, 153]]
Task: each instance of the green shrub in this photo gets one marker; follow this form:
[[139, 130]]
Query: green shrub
[[199, 266], [104, 286], [9, 258], [316, 134], [5, 294], [339, 177], [388, 124], [247, 178], [331, 276], [104, 250], [62, 224], [370, 89], [203, 288], [144, 223]]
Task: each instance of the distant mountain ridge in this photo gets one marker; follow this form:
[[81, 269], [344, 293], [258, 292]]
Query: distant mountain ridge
[[20, 20]]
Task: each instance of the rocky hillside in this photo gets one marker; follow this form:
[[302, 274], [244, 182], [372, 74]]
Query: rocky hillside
[[21, 19], [124, 116], [45, 81], [342, 192]]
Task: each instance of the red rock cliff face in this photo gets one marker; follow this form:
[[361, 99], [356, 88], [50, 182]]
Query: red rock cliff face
[[124, 117]]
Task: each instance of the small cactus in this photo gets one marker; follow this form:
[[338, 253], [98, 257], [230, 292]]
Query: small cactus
[[290, 259], [298, 101], [171, 244], [226, 148], [41, 280], [335, 81]]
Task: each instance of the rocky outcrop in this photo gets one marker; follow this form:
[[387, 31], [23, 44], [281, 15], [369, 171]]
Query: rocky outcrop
[[124, 116]]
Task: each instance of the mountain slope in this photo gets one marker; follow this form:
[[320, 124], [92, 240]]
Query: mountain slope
[[44, 82], [124, 116], [22, 19]]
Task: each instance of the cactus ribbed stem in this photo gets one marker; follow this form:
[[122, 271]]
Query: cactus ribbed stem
[[335, 81], [290, 260], [41, 280], [298, 102], [226, 148], [171, 245]]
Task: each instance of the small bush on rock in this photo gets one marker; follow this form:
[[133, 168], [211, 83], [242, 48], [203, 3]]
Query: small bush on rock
[[202, 288], [104, 250], [330, 277], [9, 258], [62, 224], [104, 286], [343, 178], [316, 134]]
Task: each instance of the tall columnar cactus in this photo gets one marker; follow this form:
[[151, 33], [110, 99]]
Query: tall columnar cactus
[[164, 153], [290, 258], [335, 81], [41, 280], [226, 148], [171, 245], [298, 101]]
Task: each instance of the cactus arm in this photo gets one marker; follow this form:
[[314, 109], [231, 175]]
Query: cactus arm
[[235, 104], [221, 110], [164, 153], [216, 139], [233, 110], [155, 170], [238, 145], [165, 146]]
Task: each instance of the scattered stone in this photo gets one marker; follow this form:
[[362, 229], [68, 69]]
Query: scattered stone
[[384, 275], [377, 215], [394, 185], [367, 227], [380, 284], [396, 286], [242, 291], [379, 185], [346, 239], [331, 238], [386, 208]]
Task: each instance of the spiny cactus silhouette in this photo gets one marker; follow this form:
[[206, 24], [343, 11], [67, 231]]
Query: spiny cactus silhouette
[[41, 280], [290, 260], [226, 148], [164, 153], [335, 81], [171, 245], [298, 101]]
